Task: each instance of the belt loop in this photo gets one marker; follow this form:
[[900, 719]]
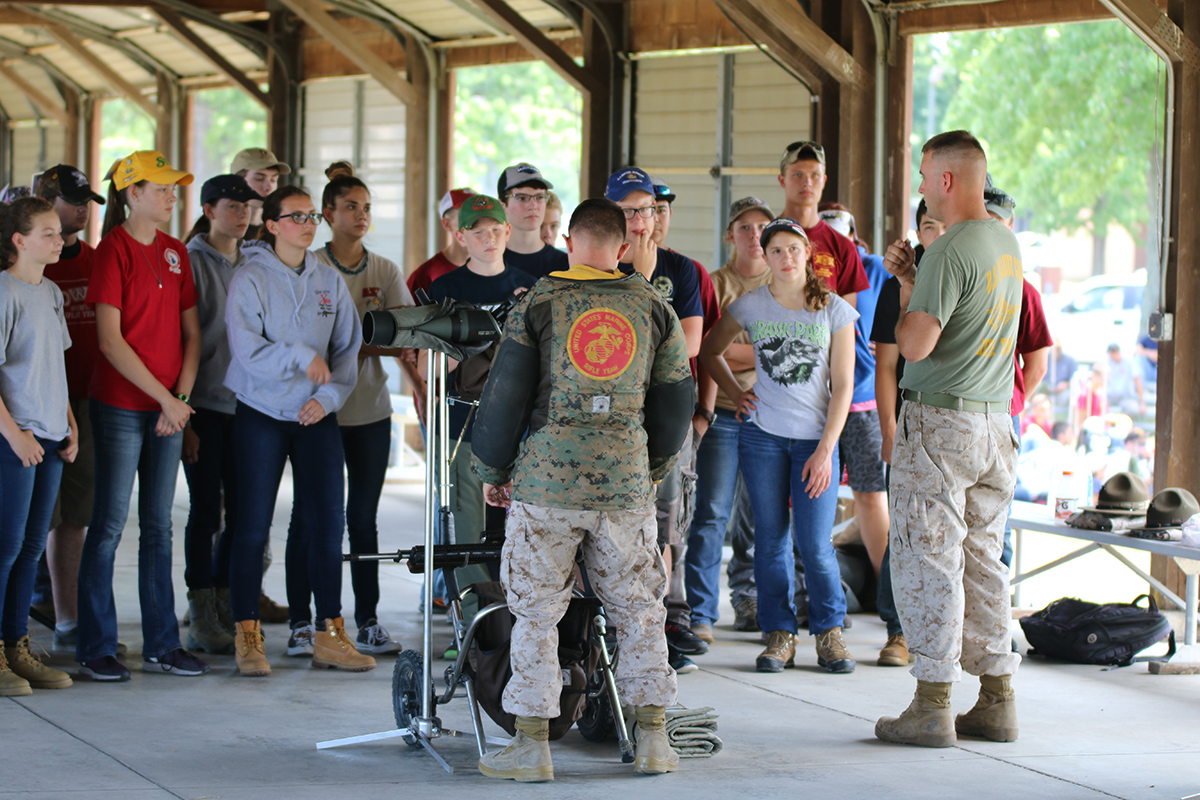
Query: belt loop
[[960, 403]]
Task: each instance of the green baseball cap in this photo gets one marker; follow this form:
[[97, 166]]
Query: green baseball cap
[[478, 206]]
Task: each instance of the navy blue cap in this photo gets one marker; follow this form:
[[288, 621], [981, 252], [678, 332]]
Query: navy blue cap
[[627, 180], [781, 224], [227, 187]]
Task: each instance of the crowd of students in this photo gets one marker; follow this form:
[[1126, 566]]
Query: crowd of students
[[243, 346]]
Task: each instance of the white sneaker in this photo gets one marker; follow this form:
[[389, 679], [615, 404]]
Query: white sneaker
[[374, 638], [300, 643]]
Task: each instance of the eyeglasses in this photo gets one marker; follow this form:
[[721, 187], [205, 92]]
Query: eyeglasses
[[300, 218], [645, 212], [528, 198]]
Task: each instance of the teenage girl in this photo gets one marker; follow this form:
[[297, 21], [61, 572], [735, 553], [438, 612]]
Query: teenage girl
[[149, 333], [294, 336], [37, 425], [803, 338]]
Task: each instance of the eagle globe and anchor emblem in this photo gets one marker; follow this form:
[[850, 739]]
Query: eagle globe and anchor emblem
[[602, 343]]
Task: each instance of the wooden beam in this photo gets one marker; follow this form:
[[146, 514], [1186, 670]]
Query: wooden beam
[[596, 157], [417, 147], [790, 22], [898, 150], [345, 41], [185, 34], [1157, 25], [540, 45], [71, 137], [75, 46], [212, 6], [747, 16], [11, 15], [40, 100], [1002, 14]]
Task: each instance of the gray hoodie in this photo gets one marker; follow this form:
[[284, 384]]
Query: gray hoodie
[[212, 273], [277, 319]]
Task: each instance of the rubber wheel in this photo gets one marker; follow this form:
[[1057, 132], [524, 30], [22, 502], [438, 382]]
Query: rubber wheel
[[597, 724], [406, 691]]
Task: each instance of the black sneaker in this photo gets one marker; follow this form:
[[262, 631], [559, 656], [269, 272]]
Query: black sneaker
[[177, 662], [105, 668], [679, 662], [686, 642], [301, 642]]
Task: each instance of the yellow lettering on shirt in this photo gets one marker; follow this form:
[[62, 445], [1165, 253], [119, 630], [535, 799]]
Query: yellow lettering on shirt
[[823, 264], [986, 348], [1006, 267]]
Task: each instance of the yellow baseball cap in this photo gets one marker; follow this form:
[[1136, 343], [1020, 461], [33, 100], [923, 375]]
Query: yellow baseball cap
[[147, 165]]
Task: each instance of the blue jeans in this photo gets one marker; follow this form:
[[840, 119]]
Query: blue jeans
[[366, 449], [26, 502], [772, 467], [211, 477], [263, 445], [716, 478], [127, 446]]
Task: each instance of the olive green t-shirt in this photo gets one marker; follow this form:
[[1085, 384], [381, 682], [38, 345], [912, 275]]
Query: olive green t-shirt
[[970, 280]]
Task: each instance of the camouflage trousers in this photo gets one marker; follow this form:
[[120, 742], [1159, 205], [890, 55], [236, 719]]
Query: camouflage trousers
[[537, 569], [953, 475]]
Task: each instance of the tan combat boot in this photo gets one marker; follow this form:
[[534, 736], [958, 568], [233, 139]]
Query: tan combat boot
[[527, 757], [995, 713], [332, 648], [895, 652], [780, 653], [654, 752], [11, 684], [22, 661], [832, 655], [927, 722], [249, 650], [205, 633]]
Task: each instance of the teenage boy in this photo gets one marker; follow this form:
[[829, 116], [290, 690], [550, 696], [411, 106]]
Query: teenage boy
[[674, 276], [552, 222], [261, 169], [454, 254], [524, 193], [486, 281], [68, 189]]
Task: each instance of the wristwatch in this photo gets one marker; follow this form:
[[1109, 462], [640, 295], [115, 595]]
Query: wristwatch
[[182, 397], [709, 416]]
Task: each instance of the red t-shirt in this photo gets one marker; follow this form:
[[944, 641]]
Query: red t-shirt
[[429, 272], [1032, 334], [72, 276], [122, 276], [836, 259]]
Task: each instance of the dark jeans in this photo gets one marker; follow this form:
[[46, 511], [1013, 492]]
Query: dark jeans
[[263, 445], [26, 502], [366, 450], [212, 476], [885, 602]]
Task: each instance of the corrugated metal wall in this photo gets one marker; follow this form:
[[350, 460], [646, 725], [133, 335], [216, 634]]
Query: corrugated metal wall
[[33, 150], [682, 113]]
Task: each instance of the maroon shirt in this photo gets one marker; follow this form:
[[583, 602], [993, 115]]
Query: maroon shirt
[[1032, 334], [72, 276]]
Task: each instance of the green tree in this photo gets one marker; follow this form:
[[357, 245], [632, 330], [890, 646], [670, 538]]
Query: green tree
[[124, 129], [1070, 116], [517, 112]]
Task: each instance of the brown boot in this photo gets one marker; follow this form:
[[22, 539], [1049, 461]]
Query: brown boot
[[927, 722], [526, 759], [25, 663], [11, 684], [780, 653], [271, 612], [249, 650], [205, 633], [332, 648], [995, 713], [895, 652], [654, 752]]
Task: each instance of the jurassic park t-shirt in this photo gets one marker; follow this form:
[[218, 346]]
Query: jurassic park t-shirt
[[791, 353]]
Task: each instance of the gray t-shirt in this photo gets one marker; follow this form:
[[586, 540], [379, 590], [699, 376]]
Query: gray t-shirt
[[33, 372], [971, 280], [791, 350]]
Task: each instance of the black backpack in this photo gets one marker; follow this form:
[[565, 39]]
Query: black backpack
[[1071, 629]]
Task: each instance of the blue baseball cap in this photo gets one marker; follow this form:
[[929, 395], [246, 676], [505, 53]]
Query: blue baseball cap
[[625, 181]]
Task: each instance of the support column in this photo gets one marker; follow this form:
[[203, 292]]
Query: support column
[[283, 118], [71, 133], [898, 148], [416, 159], [857, 160], [600, 115], [93, 168]]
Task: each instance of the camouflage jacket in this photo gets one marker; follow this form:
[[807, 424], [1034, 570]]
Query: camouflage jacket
[[596, 367]]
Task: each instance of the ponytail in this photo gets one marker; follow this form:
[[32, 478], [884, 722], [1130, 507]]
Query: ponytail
[[115, 208], [203, 225], [17, 217]]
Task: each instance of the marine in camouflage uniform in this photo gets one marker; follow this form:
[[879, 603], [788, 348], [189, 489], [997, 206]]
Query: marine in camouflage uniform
[[595, 363]]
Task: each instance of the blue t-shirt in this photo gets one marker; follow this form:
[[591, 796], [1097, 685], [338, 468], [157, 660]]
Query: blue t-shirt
[[486, 291], [540, 264], [676, 280], [864, 359]]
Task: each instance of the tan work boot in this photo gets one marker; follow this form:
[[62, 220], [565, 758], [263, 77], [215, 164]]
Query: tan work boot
[[332, 648], [832, 655], [780, 653], [526, 758], [995, 713], [22, 661], [895, 652], [249, 649], [271, 612], [11, 684], [654, 752], [927, 722], [205, 632]]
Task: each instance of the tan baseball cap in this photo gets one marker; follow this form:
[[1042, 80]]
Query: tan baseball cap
[[253, 158]]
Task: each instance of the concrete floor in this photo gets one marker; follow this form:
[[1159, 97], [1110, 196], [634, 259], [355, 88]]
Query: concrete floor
[[1085, 732]]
